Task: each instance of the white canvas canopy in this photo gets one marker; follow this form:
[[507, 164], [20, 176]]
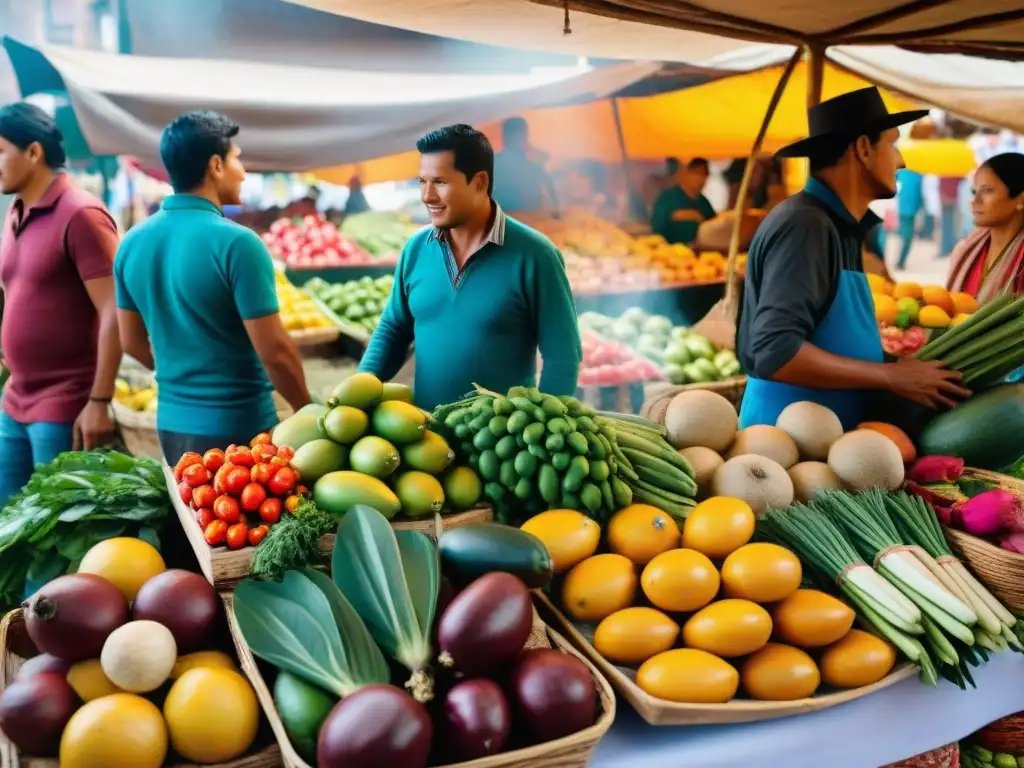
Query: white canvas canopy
[[293, 118]]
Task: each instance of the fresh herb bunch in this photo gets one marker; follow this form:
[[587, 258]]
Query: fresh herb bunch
[[293, 543]]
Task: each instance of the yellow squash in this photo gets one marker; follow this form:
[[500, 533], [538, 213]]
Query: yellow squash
[[570, 537], [680, 581], [598, 587], [728, 628], [685, 675], [641, 532], [761, 572], [811, 619], [857, 660], [780, 673], [633, 635]]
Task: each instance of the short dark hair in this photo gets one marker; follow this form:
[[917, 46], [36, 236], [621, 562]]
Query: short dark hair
[[831, 152], [24, 124], [513, 128], [188, 143], [473, 151], [698, 164], [672, 165]]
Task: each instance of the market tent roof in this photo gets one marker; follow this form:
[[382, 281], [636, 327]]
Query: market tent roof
[[676, 30], [293, 118], [717, 120]]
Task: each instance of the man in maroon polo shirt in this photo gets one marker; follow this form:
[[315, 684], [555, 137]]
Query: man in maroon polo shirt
[[59, 329]]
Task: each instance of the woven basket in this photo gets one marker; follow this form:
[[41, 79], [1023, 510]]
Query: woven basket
[[15, 647], [1001, 571], [1004, 735], [570, 752], [660, 396], [138, 431], [944, 757]]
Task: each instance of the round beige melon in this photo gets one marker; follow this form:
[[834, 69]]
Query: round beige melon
[[770, 442], [810, 478], [701, 417], [760, 482], [865, 459], [704, 462], [813, 428]]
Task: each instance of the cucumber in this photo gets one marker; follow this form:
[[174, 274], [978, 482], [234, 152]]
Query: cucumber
[[678, 498], [479, 422], [503, 407], [488, 465], [630, 419], [607, 496], [462, 430], [474, 461], [554, 442], [495, 492], [560, 461], [455, 417], [517, 422], [571, 422], [678, 511], [533, 434], [628, 440], [498, 425], [547, 483], [484, 439], [661, 472], [552, 406], [534, 395], [571, 403], [986, 431], [595, 448], [539, 452], [506, 447], [578, 443], [621, 492], [516, 391], [524, 489], [507, 475], [525, 464], [586, 424], [558, 426], [590, 496], [579, 469], [599, 470], [522, 404], [473, 550]]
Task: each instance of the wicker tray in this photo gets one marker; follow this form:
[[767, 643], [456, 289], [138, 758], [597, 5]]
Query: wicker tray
[[138, 431], [16, 647], [570, 752], [659, 396], [224, 567], [660, 712], [1002, 571]]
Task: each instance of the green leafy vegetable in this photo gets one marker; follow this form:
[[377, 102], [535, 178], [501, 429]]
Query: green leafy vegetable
[[304, 625], [392, 580], [69, 505], [293, 543]]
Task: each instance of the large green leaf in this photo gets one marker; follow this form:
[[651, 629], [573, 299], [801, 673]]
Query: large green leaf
[[292, 625], [421, 564], [369, 568]]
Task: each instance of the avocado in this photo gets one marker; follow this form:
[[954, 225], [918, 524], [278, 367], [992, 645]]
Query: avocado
[[399, 422], [374, 456], [420, 494], [318, 457], [303, 709], [431, 454]]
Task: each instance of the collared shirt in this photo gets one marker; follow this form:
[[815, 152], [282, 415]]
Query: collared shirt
[[50, 325], [672, 201], [496, 236], [195, 277], [793, 268]]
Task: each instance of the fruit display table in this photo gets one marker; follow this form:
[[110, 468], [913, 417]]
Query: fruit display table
[[905, 720], [683, 305]]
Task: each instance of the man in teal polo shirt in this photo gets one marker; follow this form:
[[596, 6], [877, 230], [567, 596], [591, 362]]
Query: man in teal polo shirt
[[197, 300], [479, 292]]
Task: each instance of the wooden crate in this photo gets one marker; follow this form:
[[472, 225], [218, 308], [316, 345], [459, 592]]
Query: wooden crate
[[16, 647], [660, 712], [570, 752], [224, 567]]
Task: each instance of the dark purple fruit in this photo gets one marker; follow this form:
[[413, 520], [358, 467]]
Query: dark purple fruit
[[554, 694], [43, 663], [375, 727], [184, 602], [477, 719], [486, 624], [34, 711], [72, 616]]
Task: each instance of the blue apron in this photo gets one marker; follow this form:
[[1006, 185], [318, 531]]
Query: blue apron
[[849, 330]]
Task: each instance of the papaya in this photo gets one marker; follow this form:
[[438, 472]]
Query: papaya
[[431, 454], [360, 390], [298, 429], [393, 391], [344, 424], [420, 494], [463, 488], [399, 422], [318, 457], [337, 492], [374, 456]]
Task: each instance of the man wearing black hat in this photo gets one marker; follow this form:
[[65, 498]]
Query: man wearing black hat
[[807, 328]]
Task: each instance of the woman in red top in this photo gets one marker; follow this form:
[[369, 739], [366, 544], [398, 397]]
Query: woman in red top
[[990, 260]]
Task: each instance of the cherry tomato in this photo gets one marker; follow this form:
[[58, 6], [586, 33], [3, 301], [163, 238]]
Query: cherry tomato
[[220, 476], [277, 461], [252, 496], [258, 534], [186, 460], [283, 481], [286, 452], [203, 496], [241, 456], [204, 517], [237, 536], [230, 448], [263, 438], [262, 473], [292, 503], [301, 490], [270, 511], [213, 459], [185, 492], [263, 452], [236, 481], [196, 475], [215, 533], [226, 509]]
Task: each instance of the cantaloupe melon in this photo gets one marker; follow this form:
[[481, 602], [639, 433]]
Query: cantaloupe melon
[[810, 477], [701, 417], [760, 482], [770, 442], [704, 462], [813, 428], [865, 459]]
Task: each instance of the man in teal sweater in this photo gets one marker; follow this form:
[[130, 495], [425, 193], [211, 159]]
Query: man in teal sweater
[[478, 292]]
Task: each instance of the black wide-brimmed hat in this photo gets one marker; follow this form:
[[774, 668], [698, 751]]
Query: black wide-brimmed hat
[[853, 114]]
